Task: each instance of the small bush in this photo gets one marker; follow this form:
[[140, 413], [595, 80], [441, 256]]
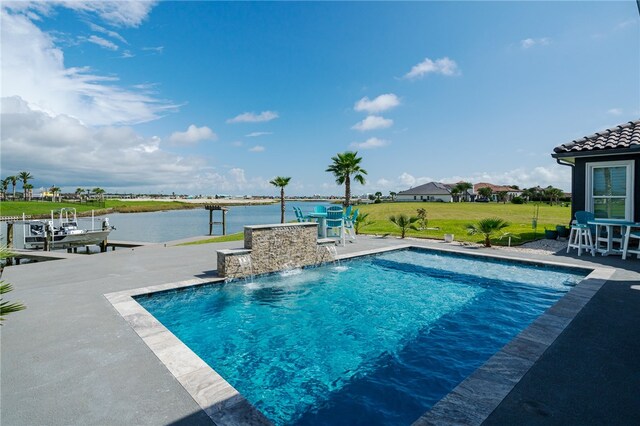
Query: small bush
[[517, 200]]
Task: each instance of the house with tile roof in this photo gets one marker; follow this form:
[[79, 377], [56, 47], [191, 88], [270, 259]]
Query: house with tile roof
[[605, 172], [511, 192], [431, 191]]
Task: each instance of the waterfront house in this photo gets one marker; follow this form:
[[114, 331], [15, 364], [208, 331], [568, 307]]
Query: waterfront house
[[510, 190], [431, 191], [605, 172]]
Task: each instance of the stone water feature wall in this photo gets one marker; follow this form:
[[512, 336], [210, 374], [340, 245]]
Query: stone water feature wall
[[270, 248]]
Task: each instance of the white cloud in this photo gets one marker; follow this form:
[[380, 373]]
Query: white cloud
[[444, 66], [102, 42], [193, 135], [157, 50], [256, 134], [554, 175], [237, 143], [251, 117], [257, 148], [370, 143], [528, 43], [373, 122], [32, 67], [102, 30], [379, 104], [615, 111], [41, 142], [127, 54]]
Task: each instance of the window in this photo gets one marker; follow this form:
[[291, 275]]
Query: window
[[610, 189]]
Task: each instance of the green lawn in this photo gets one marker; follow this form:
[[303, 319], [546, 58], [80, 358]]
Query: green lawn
[[43, 208], [452, 218], [238, 236]]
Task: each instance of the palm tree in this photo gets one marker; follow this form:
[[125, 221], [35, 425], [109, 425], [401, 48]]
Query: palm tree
[[487, 228], [13, 180], [5, 187], [28, 190], [7, 307], [79, 192], [393, 194], [54, 193], [464, 187], [455, 193], [281, 182], [404, 222], [361, 221], [99, 192], [378, 196], [343, 167], [502, 196], [24, 177]]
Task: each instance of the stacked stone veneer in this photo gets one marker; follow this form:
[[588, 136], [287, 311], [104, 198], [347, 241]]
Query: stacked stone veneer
[[274, 248]]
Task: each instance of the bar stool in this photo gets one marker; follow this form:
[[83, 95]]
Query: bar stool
[[580, 236]]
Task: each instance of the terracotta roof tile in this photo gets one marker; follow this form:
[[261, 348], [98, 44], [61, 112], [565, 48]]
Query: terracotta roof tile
[[623, 136]]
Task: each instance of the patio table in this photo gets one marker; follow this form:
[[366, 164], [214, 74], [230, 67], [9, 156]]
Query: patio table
[[608, 241], [322, 223]]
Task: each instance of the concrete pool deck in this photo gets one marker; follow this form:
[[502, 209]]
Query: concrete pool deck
[[70, 358]]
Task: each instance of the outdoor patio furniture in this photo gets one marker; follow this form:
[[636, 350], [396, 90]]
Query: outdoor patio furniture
[[580, 236], [627, 249], [349, 222], [612, 236], [319, 209], [335, 223]]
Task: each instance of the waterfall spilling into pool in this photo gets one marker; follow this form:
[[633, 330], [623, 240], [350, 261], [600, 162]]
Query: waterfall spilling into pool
[[379, 342]]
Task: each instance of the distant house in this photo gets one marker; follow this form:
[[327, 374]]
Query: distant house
[[511, 192], [605, 172], [432, 191]]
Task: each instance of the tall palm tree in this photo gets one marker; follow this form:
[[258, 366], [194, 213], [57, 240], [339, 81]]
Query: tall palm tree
[[5, 187], [13, 180], [79, 192], [99, 192], [455, 193], [393, 194], [281, 182], [28, 190], [343, 167], [24, 177], [487, 228]]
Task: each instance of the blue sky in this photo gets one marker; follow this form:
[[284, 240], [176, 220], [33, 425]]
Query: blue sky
[[220, 97]]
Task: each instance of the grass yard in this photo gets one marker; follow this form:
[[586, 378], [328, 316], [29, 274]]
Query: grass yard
[[43, 208], [452, 218]]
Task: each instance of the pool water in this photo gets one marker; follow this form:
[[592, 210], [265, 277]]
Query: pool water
[[377, 340]]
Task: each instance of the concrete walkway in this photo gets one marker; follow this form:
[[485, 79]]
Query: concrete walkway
[[70, 358]]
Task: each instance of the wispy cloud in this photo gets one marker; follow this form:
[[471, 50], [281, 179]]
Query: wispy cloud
[[251, 117], [157, 50], [192, 135], [127, 54], [373, 122], [379, 104], [256, 134], [615, 111], [50, 86], [444, 66], [528, 43], [257, 148], [102, 30], [370, 143], [102, 42]]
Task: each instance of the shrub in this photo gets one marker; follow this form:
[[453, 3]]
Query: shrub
[[517, 200]]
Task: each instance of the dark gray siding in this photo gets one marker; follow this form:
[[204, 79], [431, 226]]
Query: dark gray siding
[[578, 191]]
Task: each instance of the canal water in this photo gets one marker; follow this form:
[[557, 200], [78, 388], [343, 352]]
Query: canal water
[[170, 225]]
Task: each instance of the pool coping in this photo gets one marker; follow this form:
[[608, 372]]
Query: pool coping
[[471, 402]]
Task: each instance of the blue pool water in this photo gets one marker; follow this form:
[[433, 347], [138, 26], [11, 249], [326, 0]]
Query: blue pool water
[[378, 340]]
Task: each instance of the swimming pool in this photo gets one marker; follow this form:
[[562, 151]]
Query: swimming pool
[[378, 340]]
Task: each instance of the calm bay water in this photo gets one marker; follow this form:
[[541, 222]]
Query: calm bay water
[[172, 225]]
